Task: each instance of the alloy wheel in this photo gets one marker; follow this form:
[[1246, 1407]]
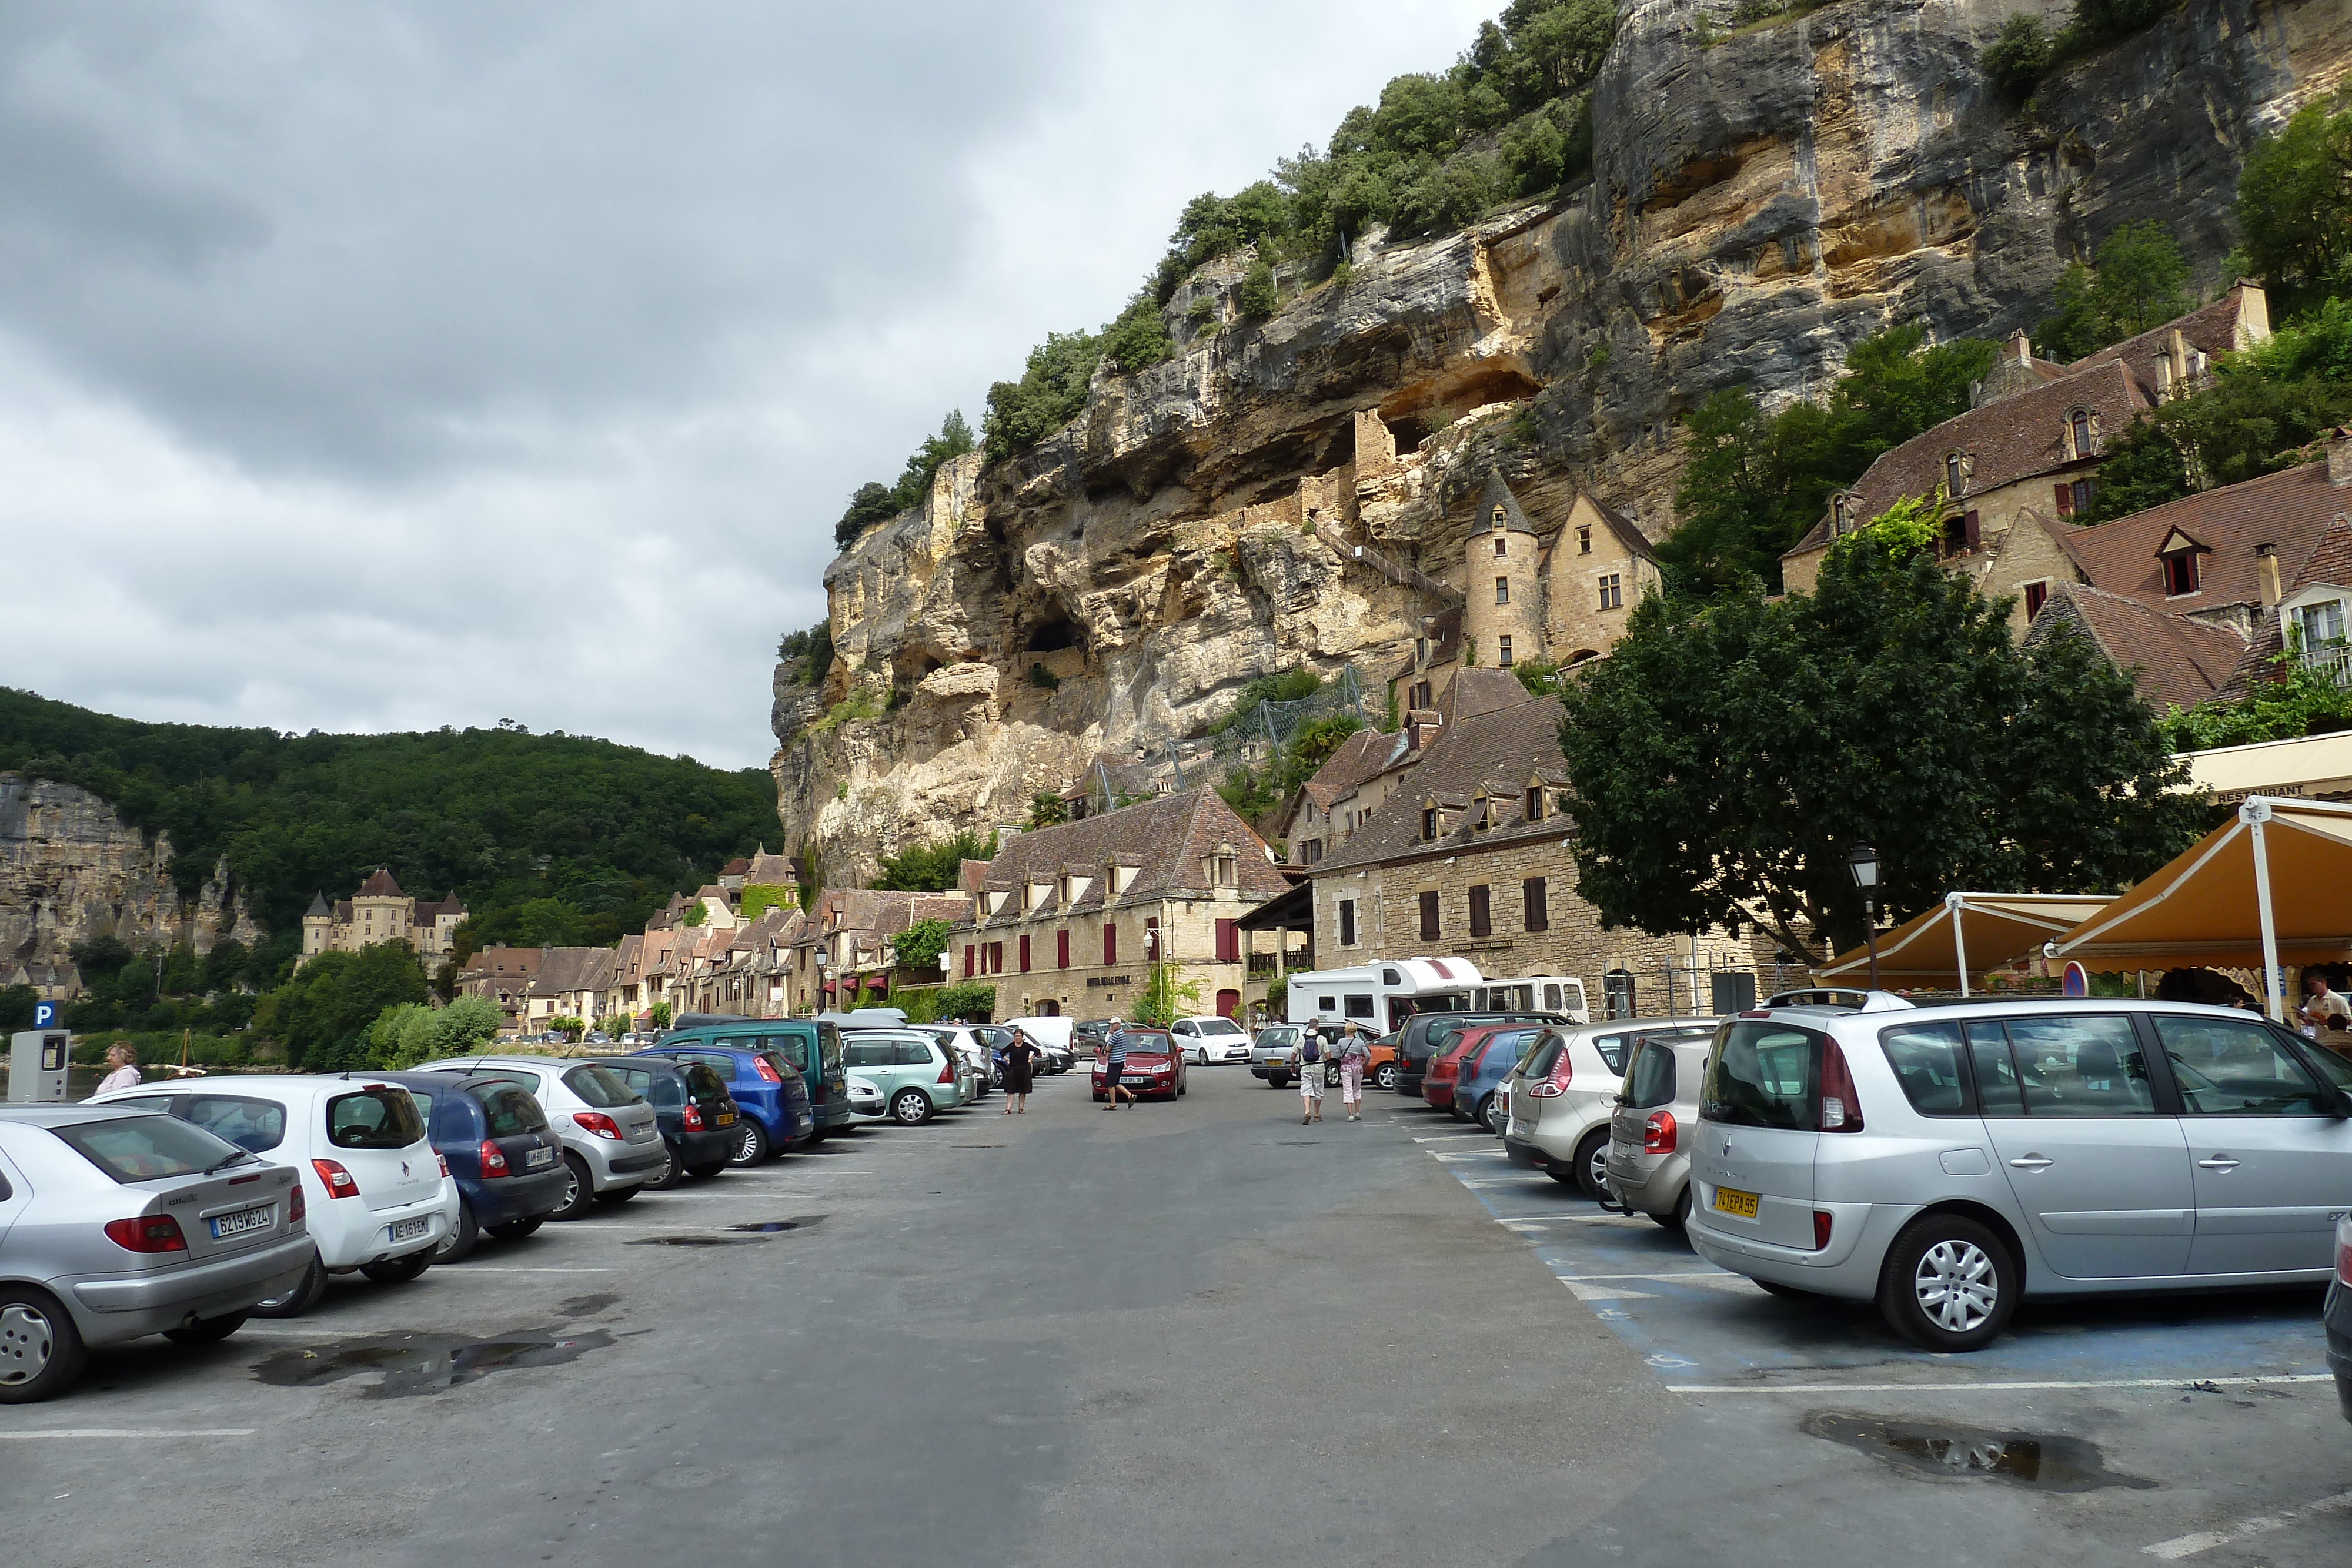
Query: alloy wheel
[[1957, 1284], [27, 1340], [1596, 1165]]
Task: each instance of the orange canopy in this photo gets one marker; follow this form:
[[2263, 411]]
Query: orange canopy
[[2270, 886], [1967, 933]]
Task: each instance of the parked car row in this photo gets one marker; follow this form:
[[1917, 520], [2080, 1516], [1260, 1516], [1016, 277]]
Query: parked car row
[[184, 1209], [1945, 1160]]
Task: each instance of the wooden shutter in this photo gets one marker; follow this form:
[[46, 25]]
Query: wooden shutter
[[1062, 949], [2065, 500], [1429, 916], [1111, 943], [1347, 923], [1482, 923], [1025, 955], [968, 957], [1535, 912], [1228, 942], [1975, 533]]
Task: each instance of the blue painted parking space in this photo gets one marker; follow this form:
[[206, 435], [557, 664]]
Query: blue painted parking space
[[1699, 1326]]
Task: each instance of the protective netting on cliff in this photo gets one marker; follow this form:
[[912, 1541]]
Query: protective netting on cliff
[[1254, 737]]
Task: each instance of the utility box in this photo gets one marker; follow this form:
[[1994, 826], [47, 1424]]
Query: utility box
[[37, 1067]]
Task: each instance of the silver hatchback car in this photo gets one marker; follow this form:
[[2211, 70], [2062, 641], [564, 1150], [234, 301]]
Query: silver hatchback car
[[1943, 1161], [1656, 1121], [118, 1224]]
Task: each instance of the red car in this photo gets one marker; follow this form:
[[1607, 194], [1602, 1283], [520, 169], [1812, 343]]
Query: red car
[[1437, 1089], [1155, 1068]]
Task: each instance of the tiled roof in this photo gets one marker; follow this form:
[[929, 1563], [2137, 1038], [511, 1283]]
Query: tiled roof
[[318, 907], [1627, 533], [562, 969], [1166, 840], [1475, 691], [736, 867], [770, 871], [2329, 562], [380, 886], [2176, 661], [1499, 747], [1359, 757], [1444, 635], [2290, 510], [2216, 329]]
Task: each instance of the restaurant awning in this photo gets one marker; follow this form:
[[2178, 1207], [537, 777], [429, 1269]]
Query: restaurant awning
[[1967, 933], [2270, 886]]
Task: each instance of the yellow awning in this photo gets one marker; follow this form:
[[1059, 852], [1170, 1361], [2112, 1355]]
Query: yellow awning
[[1966, 934], [2270, 886]]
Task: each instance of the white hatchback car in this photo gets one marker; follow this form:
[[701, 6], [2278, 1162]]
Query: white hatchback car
[[1206, 1041], [379, 1200]]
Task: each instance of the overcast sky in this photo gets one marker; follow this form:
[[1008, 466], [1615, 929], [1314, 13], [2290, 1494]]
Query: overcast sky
[[382, 366]]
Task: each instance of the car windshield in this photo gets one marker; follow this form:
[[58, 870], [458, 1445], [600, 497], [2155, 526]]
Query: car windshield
[[508, 1112], [1219, 1026], [146, 1148], [1762, 1076], [599, 1086], [377, 1117]]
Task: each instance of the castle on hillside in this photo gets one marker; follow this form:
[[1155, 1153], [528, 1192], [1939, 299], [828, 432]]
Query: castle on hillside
[[380, 912]]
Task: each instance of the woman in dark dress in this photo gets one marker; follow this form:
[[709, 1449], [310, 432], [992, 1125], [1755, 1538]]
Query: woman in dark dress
[[1020, 1060]]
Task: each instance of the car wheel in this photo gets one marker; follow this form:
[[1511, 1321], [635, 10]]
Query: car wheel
[[1948, 1284], [399, 1271], [910, 1107], [579, 1193], [1681, 1215], [462, 1237], [704, 1173], [752, 1146], [211, 1330], [1331, 1076], [1385, 1076], [516, 1229], [670, 1173], [1591, 1163], [305, 1294], [1277, 1082], [618, 1193], [41, 1350]]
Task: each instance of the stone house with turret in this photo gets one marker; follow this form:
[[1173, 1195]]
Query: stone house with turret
[[381, 912]]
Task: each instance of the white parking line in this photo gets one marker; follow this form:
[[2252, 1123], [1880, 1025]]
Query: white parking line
[[1447, 1138], [1989, 1387], [513, 1268], [2262, 1524], [131, 1433]]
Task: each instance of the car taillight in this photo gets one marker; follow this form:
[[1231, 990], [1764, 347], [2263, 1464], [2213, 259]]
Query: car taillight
[[298, 1208], [494, 1159], [153, 1233], [598, 1123], [1841, 1111], [1658, 1133], [947, 1070], [693, 1117], [1823, 1220], [766, 1070], [445, 1163], [2344, 1263], [1556, 1083], [336, 1179]]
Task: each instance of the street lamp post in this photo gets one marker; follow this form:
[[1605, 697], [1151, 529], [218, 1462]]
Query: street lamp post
[[1863, 860]]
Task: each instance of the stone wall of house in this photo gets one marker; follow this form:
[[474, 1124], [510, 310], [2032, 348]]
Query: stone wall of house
[[1090, 988], [72, 869], [1578, 621]]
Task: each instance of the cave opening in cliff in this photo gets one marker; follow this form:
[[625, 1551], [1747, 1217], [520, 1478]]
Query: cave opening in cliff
[[1052, 637]]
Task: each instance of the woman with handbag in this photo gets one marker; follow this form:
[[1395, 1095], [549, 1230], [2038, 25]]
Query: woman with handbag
[[1355, 1055]]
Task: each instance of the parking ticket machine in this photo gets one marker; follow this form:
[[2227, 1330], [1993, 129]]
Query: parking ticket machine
[[37, 1060]]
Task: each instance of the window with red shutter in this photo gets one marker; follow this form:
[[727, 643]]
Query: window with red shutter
[[1429, 919], [1111, 943], [2037, 594], [1062, 949], [969, 958], [1972, 531], [1535, 912], [1025, 955], [1482, 919], [1228, 942]]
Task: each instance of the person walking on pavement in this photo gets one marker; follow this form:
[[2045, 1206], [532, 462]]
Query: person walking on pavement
[[120, 1057], [1113, 1067], [1307, 1061], [1020, 1064], [1355, 1055]]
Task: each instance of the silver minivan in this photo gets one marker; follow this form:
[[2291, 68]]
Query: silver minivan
[[1943, 1161]]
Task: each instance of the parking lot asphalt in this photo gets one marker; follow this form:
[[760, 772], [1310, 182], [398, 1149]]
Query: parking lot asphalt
[[2103, 1430], [1196, 1333]]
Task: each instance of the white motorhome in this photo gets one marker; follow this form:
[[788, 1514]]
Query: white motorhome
[[1536, 993], [1381, 995]]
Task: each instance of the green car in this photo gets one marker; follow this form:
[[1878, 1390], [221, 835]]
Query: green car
[[917, 1076]]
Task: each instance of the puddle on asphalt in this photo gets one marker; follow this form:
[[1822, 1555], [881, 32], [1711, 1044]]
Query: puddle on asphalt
[[412, 1363], [693, 1241], [2045, 1463], [586, 1306], [769, 1227]]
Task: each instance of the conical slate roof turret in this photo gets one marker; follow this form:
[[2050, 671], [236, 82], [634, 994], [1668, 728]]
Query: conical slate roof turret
[[317, 910], [1498, 494]]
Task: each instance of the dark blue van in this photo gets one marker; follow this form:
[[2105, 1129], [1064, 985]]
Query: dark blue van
[[811, 1045], [766, 1087], [507, 1161]]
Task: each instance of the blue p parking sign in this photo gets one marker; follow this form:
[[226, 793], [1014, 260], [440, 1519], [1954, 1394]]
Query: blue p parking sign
[[45, 1015]]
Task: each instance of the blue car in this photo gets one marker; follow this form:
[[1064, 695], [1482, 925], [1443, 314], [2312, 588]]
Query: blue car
[[495, 1139], [1483, 1070], [767, 1088]]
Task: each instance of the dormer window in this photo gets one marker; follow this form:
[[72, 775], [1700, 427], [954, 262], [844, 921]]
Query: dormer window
[[1428, 823], [1956, 473], [1498, 519], [2082, 432], [2178, 555], [1221, 865], [1535, 803], [1841, 516]]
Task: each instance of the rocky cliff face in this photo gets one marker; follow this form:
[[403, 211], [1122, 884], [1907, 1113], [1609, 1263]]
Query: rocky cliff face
[[72, 869], [1277, 493]]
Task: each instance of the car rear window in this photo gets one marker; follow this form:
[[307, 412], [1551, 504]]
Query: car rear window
[[791, 1046], [599, 1086], [1649, 1077], [701, 1081], [1279, 1039], [1931, 1062], [146, 1148], [1763, 1075], [508, 1111], [1544, 1057], [783, 1068], [255, 1125], [378, 1117]]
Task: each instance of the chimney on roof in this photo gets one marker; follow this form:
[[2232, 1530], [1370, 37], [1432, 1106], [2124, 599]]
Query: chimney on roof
[[2339, 455], [2021, 347], [2266, 572]]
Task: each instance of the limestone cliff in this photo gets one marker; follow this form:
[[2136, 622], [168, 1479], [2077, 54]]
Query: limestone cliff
[[70, 870], [1282, 493]]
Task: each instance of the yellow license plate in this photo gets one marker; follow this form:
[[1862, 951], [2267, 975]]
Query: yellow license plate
[[1731, 1200], [725, 1118]]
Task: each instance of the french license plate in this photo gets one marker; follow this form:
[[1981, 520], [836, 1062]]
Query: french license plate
[[410, 1229], [724, 1118], [1731, 1200], [243, 1220], [537, 1159]]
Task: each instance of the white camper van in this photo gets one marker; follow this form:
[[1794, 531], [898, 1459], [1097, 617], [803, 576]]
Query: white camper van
[[1535, 994], [1381, 996]]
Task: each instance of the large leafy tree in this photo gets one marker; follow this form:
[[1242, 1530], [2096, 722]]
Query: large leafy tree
[[2294, 199], [2138, 280], [1724, 758]]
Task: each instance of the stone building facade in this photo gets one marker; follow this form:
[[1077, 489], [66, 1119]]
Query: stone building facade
[[380, 912]]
